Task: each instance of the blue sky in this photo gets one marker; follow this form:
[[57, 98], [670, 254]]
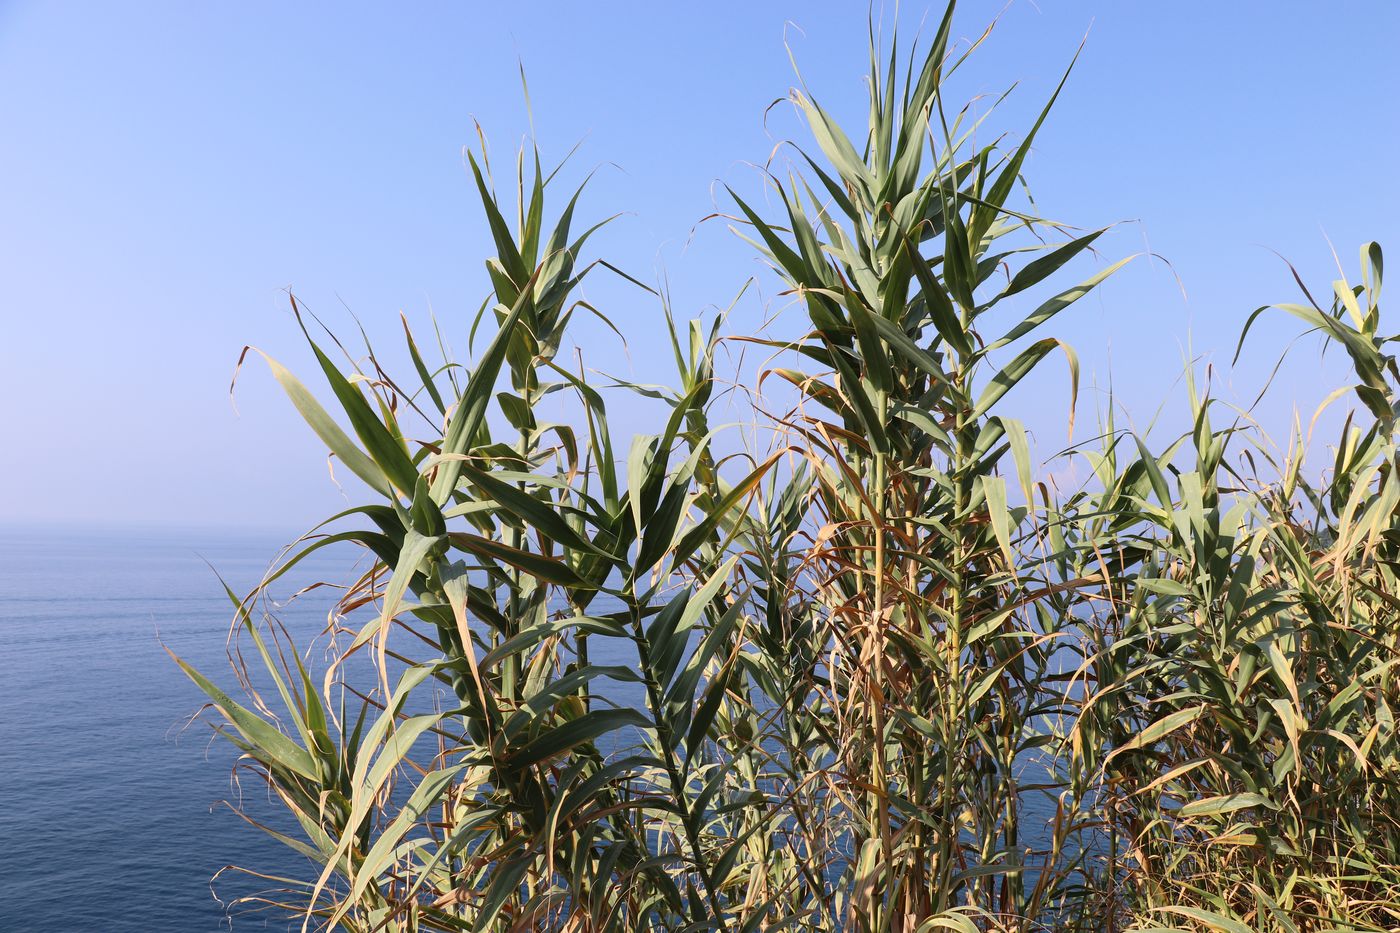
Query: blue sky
[[168, 169]]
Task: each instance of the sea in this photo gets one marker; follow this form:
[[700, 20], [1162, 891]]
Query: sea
[[113, 792]]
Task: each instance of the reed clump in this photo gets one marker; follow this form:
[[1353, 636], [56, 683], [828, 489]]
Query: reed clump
[[878, 675]]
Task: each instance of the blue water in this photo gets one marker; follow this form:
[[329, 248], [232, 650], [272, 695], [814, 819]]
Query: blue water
[[110, 798], [109, 807]]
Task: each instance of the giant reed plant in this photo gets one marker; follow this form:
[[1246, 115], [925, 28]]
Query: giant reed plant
[[1242, 686], [877, 676]]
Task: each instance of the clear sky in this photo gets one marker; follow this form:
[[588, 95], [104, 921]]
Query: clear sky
[[168, 169]]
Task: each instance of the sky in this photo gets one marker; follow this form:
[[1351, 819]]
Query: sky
[[169, 170]]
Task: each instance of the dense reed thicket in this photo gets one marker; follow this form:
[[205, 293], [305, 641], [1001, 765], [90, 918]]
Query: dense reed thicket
[[878, 675]]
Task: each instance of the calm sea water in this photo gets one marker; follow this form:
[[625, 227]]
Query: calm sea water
[[110, 815]]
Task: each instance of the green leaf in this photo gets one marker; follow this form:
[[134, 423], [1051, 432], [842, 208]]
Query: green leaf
[[1225, 803], [270, 745], [542, 515], [691, 541], [1041, 268], [571, 734], [1209, 918], [388, 452], [548, 569], [1017, 369], [1055, 305], [1160, 729], [470, 409], [940, 307], [411, 556], [326, 429]]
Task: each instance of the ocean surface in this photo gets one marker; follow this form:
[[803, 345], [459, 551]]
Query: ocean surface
[[112, 791], [110, 799]]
